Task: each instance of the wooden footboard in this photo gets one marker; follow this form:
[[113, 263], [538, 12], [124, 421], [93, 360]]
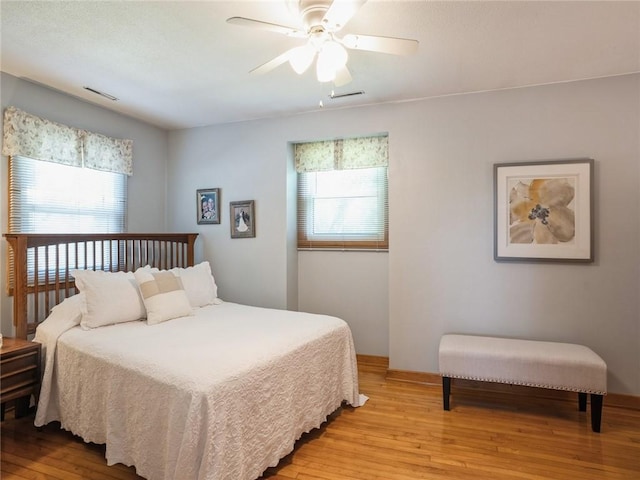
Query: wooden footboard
[[42, 263]]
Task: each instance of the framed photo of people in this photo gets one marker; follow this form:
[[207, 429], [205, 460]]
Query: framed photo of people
[[208, 205], [242, 219]]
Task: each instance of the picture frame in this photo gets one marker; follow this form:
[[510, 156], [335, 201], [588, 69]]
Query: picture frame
[[242, 219], [543, 211], [208, 206]]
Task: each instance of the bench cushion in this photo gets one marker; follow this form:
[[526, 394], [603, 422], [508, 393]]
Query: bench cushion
[[559, 366]]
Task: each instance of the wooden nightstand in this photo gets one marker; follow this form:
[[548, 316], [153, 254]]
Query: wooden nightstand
[[19, 373]]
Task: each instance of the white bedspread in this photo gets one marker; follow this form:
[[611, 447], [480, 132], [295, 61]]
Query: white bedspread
[[223, 394]]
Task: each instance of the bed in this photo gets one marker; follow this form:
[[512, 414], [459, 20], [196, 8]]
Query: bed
[[198, 389]]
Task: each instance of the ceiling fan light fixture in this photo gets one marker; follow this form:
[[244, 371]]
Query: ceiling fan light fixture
[[334, 53], [331, 58], [301, 58], [324, 72], [320, 21]]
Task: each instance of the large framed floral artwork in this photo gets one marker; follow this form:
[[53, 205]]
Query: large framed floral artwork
[[544, 211]]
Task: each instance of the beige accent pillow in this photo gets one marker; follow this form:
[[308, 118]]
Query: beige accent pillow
[[110, 297], [163, 295]]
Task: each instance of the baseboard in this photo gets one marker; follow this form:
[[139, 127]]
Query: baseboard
[[414, 377], [620, 400], [373, 360]]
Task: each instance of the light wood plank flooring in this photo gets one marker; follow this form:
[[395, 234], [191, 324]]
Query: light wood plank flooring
[[402, 433]]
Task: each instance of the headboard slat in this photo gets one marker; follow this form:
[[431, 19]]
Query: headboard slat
[[38, 289]]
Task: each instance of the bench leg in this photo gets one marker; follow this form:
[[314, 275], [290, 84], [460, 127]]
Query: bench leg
[[582, 401], [446, 390], [596, 412]]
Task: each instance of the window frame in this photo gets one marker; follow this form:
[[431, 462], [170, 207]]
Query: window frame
[[304, 212]]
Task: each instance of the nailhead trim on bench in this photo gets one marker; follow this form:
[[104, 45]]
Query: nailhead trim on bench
[[524, 384]]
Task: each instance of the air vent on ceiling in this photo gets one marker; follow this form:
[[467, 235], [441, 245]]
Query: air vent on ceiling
[[334, 95], [102, 94]]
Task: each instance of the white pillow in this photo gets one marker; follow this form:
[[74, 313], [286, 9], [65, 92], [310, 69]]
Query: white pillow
[[163, 295], [64, 316], [111, 297], [67, 314], [70, 308], [199, 284]]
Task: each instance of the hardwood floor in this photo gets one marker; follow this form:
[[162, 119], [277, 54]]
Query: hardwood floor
[[401, 433]]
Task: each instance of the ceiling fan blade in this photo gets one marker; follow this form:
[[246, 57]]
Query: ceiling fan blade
[[392, 45], [343, 76], [271, 64], [340, 12], [272, 27]]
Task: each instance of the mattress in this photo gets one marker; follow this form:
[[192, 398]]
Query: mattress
[[221, 394]]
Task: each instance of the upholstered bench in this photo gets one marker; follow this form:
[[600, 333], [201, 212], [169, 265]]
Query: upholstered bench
[[559, 366]]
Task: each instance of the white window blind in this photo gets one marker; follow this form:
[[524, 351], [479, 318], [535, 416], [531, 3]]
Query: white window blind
[[343, 194], [50, 197], [46, 197]]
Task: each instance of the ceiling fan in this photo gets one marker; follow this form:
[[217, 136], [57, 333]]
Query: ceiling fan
[[321, 21]]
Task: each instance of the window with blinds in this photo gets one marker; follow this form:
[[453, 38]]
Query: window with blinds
[[343, 194], [47, 197]]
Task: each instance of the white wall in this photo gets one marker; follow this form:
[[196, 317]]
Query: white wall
[[441, 273], [245, 164], [353, 286], [146, 188], [443, 278]]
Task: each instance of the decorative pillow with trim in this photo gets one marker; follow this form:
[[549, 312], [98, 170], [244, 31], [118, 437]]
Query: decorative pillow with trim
[[163, 295]]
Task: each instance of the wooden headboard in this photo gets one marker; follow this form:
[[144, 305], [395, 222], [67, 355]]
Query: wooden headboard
[[42, 263]]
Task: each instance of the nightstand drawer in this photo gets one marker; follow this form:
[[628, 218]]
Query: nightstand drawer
[[19, 373], [17, 363]]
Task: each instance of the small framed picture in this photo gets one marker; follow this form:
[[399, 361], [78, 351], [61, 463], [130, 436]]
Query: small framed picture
[[208, 203], [544, 211], [242, 219]]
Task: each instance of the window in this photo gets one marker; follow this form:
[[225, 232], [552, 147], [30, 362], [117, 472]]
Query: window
[[46, 197], [64, 180], [342, 194]]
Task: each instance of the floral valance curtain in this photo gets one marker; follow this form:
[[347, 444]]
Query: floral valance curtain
[[30, 136], [108, 154], [342, 154]]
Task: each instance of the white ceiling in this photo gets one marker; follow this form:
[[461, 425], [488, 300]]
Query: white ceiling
[[178, 64]]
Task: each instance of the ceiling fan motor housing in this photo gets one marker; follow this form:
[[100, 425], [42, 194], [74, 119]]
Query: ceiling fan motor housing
[[312, 13]]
